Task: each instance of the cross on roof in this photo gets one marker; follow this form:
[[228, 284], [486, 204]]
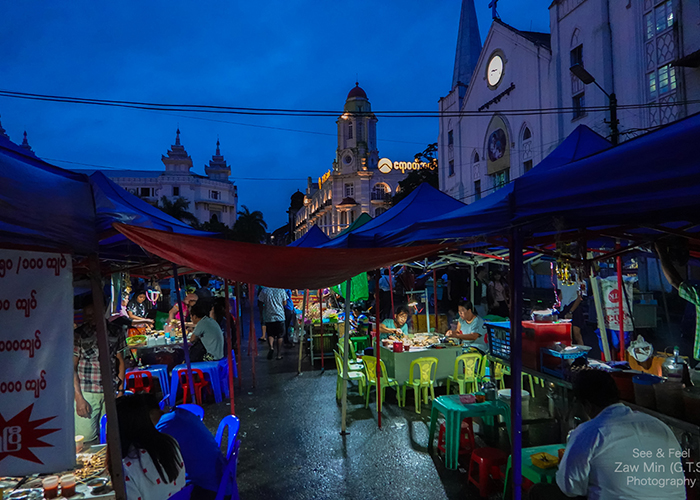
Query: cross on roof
[[494, 14]]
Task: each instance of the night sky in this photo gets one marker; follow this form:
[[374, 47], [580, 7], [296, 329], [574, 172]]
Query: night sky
[[298, 54]]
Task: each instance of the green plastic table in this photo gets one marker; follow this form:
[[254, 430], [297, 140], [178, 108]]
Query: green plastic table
[[455, 411], [531, 472]]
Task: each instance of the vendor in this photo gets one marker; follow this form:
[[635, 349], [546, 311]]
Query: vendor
[[190, 300], [397, 326], [359, 321], [471, 329], [136, 309]]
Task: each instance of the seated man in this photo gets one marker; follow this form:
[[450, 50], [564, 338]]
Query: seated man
[[204, 463], [207, 338], [619, 453], [397, 326], [470, 328]]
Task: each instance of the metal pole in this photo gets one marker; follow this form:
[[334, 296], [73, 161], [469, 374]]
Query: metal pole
[[472, 286], [113, 440], [320, 313], [239, 315], [229, 339], [516, 362], [378, 356], [663, 293], [391, 292], [435, 299], [621, 304], [252, 337], [346, 350], [190, 379], [303, 329], [614, 131]]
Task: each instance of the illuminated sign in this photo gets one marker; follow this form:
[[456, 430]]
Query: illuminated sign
[[323, 179], [385, 165]]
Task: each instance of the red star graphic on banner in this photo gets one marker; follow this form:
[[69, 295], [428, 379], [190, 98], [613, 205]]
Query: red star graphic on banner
[[19, 434]]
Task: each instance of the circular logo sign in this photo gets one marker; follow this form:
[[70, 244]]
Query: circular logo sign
[[385, 165]]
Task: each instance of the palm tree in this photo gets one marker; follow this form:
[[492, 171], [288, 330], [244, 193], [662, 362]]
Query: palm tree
[[178, 209], [250, 226]]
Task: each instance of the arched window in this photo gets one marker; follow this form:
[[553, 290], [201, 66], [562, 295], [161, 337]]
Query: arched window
[[380, 191], [577, 86], [214, 218], [526, 156]]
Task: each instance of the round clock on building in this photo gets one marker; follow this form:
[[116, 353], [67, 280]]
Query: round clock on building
[[494, 70]]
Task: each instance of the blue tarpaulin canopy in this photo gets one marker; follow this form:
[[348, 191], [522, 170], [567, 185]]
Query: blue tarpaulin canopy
[[314, 237], [423, 202]]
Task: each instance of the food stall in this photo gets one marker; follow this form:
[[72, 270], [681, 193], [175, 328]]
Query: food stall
[[398, 360]]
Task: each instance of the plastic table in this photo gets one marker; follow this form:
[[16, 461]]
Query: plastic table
[[211, 372], [531, 472], [455, 411], [157, 371]]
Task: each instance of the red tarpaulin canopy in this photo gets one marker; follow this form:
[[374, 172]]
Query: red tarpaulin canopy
[[269, 265]]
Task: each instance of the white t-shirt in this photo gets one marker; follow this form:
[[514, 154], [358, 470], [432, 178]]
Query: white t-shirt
[[476, 326], [143, 481], [622, 455], [569, 293]]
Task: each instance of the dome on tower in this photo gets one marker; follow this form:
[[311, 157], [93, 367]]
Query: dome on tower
[[357, 91]]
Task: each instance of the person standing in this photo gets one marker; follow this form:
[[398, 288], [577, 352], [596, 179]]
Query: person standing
[[273, 300], [470, 328], [618, 453], [289, 318], [385, 292], [480, 299], [498, 296], [207, 339], [571, 299], [87, 378]]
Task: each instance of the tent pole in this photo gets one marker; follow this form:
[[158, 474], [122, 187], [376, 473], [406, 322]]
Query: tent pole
[[435, 298], [320, 313], [472, 285], [378, 356], [252, 337], [190, 379], [113, 440], [391, 291], [239, 315], [516, 363], [346, 349], [302, 327], [663, 291], [621, 304], [229, 340]]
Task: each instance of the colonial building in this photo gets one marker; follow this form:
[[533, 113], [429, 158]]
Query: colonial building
[[358, 182], [515, 99], [212, 197]]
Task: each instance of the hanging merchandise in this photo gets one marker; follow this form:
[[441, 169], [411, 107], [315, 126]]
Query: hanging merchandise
[[611, 302]]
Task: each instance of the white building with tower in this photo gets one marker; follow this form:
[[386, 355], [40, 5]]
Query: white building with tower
[[514, 99], [359, 181]]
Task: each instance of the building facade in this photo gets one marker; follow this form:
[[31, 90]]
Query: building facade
[[515, 99], [358, 182], [212, 197]]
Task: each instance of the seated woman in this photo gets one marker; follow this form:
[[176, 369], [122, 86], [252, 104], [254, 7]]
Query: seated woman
[[397, 326], [152, 463], [136, 309], [470, 328], [187, 303], [207, 339]]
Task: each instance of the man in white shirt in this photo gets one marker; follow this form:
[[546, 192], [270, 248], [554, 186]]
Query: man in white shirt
[[619, 454]]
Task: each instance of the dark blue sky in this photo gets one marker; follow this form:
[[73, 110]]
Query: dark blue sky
[[267, 54]]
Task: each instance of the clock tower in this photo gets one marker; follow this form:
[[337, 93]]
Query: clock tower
[[357, 135]]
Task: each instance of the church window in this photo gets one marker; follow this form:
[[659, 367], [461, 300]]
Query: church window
[[526, 149], [215, 195], [350, 131], [379, 192], [450, 139], [349, 190], [477, 190], [501, 178], [359, 130], [451, 168], [176, 190], [146, 192]]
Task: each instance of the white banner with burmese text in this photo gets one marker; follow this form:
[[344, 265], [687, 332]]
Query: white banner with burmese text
[[36, 363]]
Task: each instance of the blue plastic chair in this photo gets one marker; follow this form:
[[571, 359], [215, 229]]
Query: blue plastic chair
[[228, 479], [233, 424], [164, 402], [103, 429], [184, 494], [193, 408]]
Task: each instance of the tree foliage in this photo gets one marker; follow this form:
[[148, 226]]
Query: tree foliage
[[178, 209], [250, 226], [417, 177]]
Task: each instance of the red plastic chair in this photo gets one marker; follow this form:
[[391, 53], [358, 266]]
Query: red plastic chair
[[139, 381], [487, 461], [199, 384], [467, 442]]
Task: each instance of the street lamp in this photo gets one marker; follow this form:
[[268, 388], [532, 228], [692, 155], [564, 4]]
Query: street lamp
[[580, 72]]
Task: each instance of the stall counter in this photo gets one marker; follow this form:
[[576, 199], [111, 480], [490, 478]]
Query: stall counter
[[398, 363]]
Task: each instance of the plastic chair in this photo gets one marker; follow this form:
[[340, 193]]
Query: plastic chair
[[103, 429], [426, 380], [496, 371], [138, 381], [199, 383], [524, 375], [192, 408], [486, 462], [228, 479], [466, 378], [184, 494], [164, 402], [355, 375], [233, 424], [352, 357], [370, 363]]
